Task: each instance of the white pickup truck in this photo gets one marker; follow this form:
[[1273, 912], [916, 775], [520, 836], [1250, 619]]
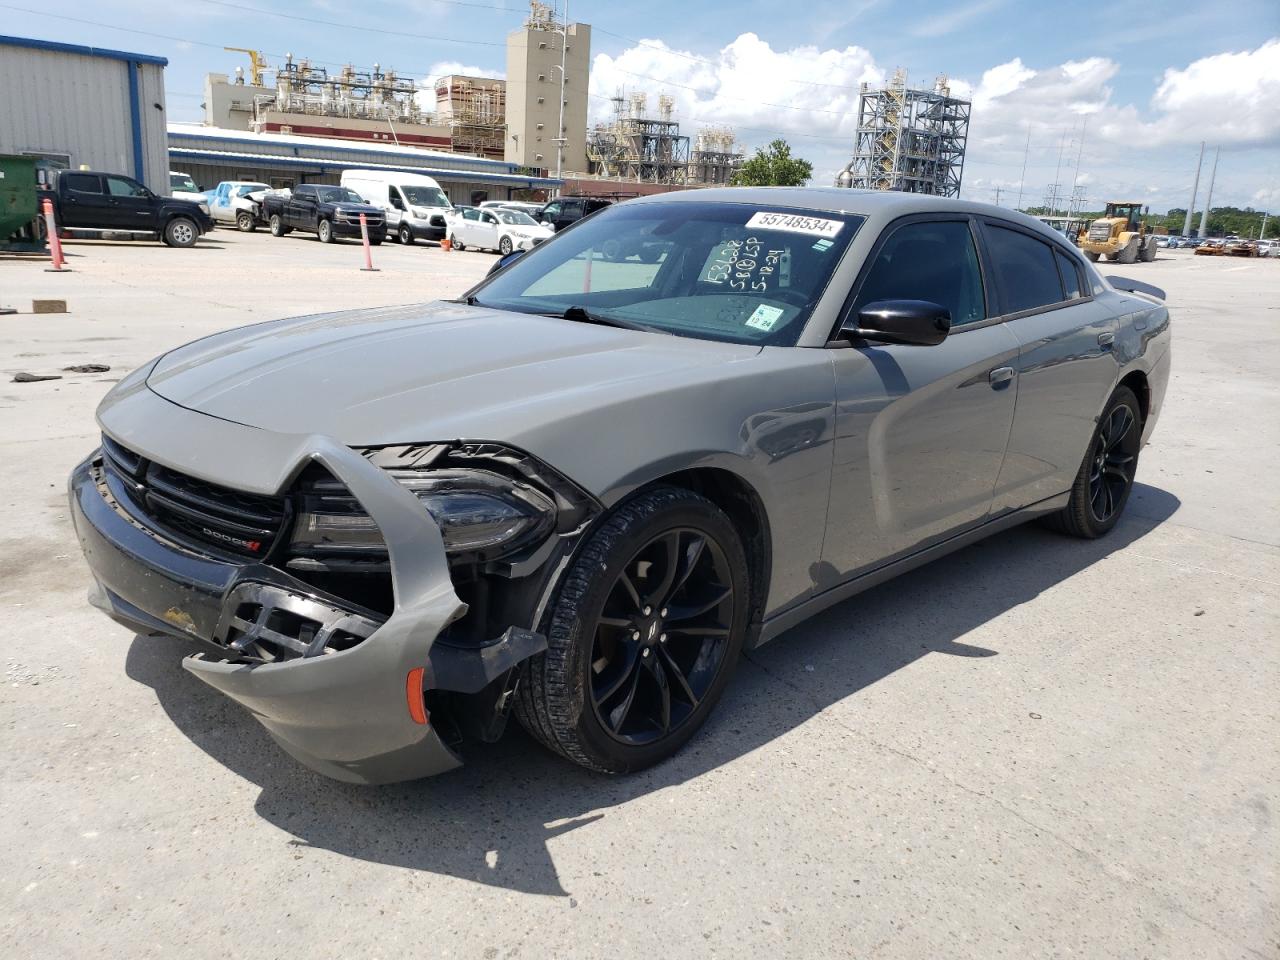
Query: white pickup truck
[[234, 202]]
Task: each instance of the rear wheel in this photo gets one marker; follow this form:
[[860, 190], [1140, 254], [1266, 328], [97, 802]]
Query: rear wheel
[[324, 231], [644, 635], [180, 232], [1093, 257], [245, 222], [404, 234], [1149, 250], [1105, 480]]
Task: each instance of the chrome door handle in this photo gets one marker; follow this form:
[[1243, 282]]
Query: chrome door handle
[[1001, 375], [1106, 339]]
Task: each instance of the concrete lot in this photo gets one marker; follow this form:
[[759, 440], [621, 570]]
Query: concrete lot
[[1037, 747]]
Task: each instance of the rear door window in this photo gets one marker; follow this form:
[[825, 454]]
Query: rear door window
[[1025, 269], [928, 260], [83, 183], [1070, 275]]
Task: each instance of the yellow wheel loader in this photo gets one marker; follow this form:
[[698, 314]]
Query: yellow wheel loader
[[1121, 234]]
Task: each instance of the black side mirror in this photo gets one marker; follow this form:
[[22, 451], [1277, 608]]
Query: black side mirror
[[502, 262], [913, 322]]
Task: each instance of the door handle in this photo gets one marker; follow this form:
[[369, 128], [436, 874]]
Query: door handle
[[1001, 375], [1106, 339]]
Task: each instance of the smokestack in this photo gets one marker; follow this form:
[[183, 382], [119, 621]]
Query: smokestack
[[1208, 197], [1195, 185]]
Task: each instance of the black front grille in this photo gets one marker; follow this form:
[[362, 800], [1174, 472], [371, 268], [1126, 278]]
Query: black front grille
[[190, 510]]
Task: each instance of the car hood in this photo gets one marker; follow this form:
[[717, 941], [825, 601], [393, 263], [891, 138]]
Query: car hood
[[344, 206], [429, 372]]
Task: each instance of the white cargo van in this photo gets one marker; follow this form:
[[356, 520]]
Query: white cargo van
[[414, 203]]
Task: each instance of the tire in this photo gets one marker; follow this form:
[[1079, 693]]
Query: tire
[[181, 232], [1093, 257], [611, 250], [504, 246], [1149, 251], [245, 222], [375, 241], [404, 234], [456, 244], [278, 229], [1081, 516], [559, 700], [1130, 252], [324, 230]]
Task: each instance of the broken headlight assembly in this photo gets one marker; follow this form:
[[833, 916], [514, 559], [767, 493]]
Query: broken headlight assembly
[[480, 514]]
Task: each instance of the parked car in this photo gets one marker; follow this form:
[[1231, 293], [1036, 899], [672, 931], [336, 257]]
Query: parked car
[[1269, 248], [814, 391], [531, 209], [563, 211], [496, 228], [412, 204], [233, 204], [328, 212], [182, 187], [87, 201], [1211, 248]]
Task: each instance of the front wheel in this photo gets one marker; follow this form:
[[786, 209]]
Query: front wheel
[[455, 243], [325, 231], [504, 246], [1105, 480], [644, 635], [245, 222], [1092, 255], [405, 234], [180, 232]]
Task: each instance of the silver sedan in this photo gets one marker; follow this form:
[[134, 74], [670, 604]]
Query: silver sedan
[[579, 492]]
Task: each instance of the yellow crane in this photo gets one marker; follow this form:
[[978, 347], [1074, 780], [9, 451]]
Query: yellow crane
[[257, 63]]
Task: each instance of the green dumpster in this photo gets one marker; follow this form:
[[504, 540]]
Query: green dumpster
[[18, 209]]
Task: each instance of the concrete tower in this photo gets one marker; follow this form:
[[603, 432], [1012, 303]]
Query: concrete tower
[[534, 57]]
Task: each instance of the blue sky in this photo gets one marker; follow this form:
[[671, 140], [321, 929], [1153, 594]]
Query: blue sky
[[1131, 101]]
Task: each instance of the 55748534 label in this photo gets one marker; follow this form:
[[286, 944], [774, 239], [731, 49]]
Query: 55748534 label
[[795, 223]]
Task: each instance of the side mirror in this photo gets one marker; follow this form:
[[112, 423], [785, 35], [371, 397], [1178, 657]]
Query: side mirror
[[502, 262], [547, 223], [912, 322]]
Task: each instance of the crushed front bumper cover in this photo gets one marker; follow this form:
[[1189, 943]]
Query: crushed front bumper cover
[[344, 713]]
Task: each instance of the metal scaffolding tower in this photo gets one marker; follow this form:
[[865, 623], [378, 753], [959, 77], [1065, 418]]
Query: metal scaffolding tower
[[909, 140], [634, 146]]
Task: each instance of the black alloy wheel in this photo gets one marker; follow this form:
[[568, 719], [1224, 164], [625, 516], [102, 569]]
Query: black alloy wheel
[[1115, 454], [1105, 478], [662, 635], [642, 639]]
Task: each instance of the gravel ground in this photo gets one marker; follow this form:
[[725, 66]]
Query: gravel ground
[[1037, 747]]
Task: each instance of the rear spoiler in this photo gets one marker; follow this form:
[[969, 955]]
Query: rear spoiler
[[1136, 286]]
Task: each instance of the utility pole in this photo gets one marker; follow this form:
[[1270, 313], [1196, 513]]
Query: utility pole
[[564, 46], [1208, 197], [998, 189], [1025, 153], [1075, 178], [1262, 230], [1195, 185], [1057, 182]]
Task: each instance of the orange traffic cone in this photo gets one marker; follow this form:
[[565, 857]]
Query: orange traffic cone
[[445, 245]]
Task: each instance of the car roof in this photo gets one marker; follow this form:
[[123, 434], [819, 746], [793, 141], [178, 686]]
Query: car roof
[[878, 205]]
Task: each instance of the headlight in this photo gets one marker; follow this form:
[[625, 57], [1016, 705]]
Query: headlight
[[477, 512], [421, 212]]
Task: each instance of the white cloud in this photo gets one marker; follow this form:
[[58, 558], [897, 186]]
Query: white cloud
[[809, 95]]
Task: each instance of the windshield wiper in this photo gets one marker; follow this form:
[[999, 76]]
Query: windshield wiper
[[580, 314]]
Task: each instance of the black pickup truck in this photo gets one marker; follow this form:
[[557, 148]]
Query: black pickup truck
[[85, 201], [327, 211]]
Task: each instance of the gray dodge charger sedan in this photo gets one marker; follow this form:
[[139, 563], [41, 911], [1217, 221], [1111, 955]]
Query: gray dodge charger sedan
[[580, 491]]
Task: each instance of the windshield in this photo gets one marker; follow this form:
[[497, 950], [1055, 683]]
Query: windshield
[[180, 181], [425, 196], [515, 217], [734, 272], [337, 195]]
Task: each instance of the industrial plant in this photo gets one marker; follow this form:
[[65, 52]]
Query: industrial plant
[[909, 140], [535, 120]]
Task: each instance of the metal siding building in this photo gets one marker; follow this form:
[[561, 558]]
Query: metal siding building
[[85, 106], [211, 154]]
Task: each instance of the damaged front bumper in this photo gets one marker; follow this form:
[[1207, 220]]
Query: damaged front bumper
[[347, 713]]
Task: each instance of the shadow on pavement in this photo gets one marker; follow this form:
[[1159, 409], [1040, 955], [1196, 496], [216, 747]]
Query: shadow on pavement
[[491, 821]]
